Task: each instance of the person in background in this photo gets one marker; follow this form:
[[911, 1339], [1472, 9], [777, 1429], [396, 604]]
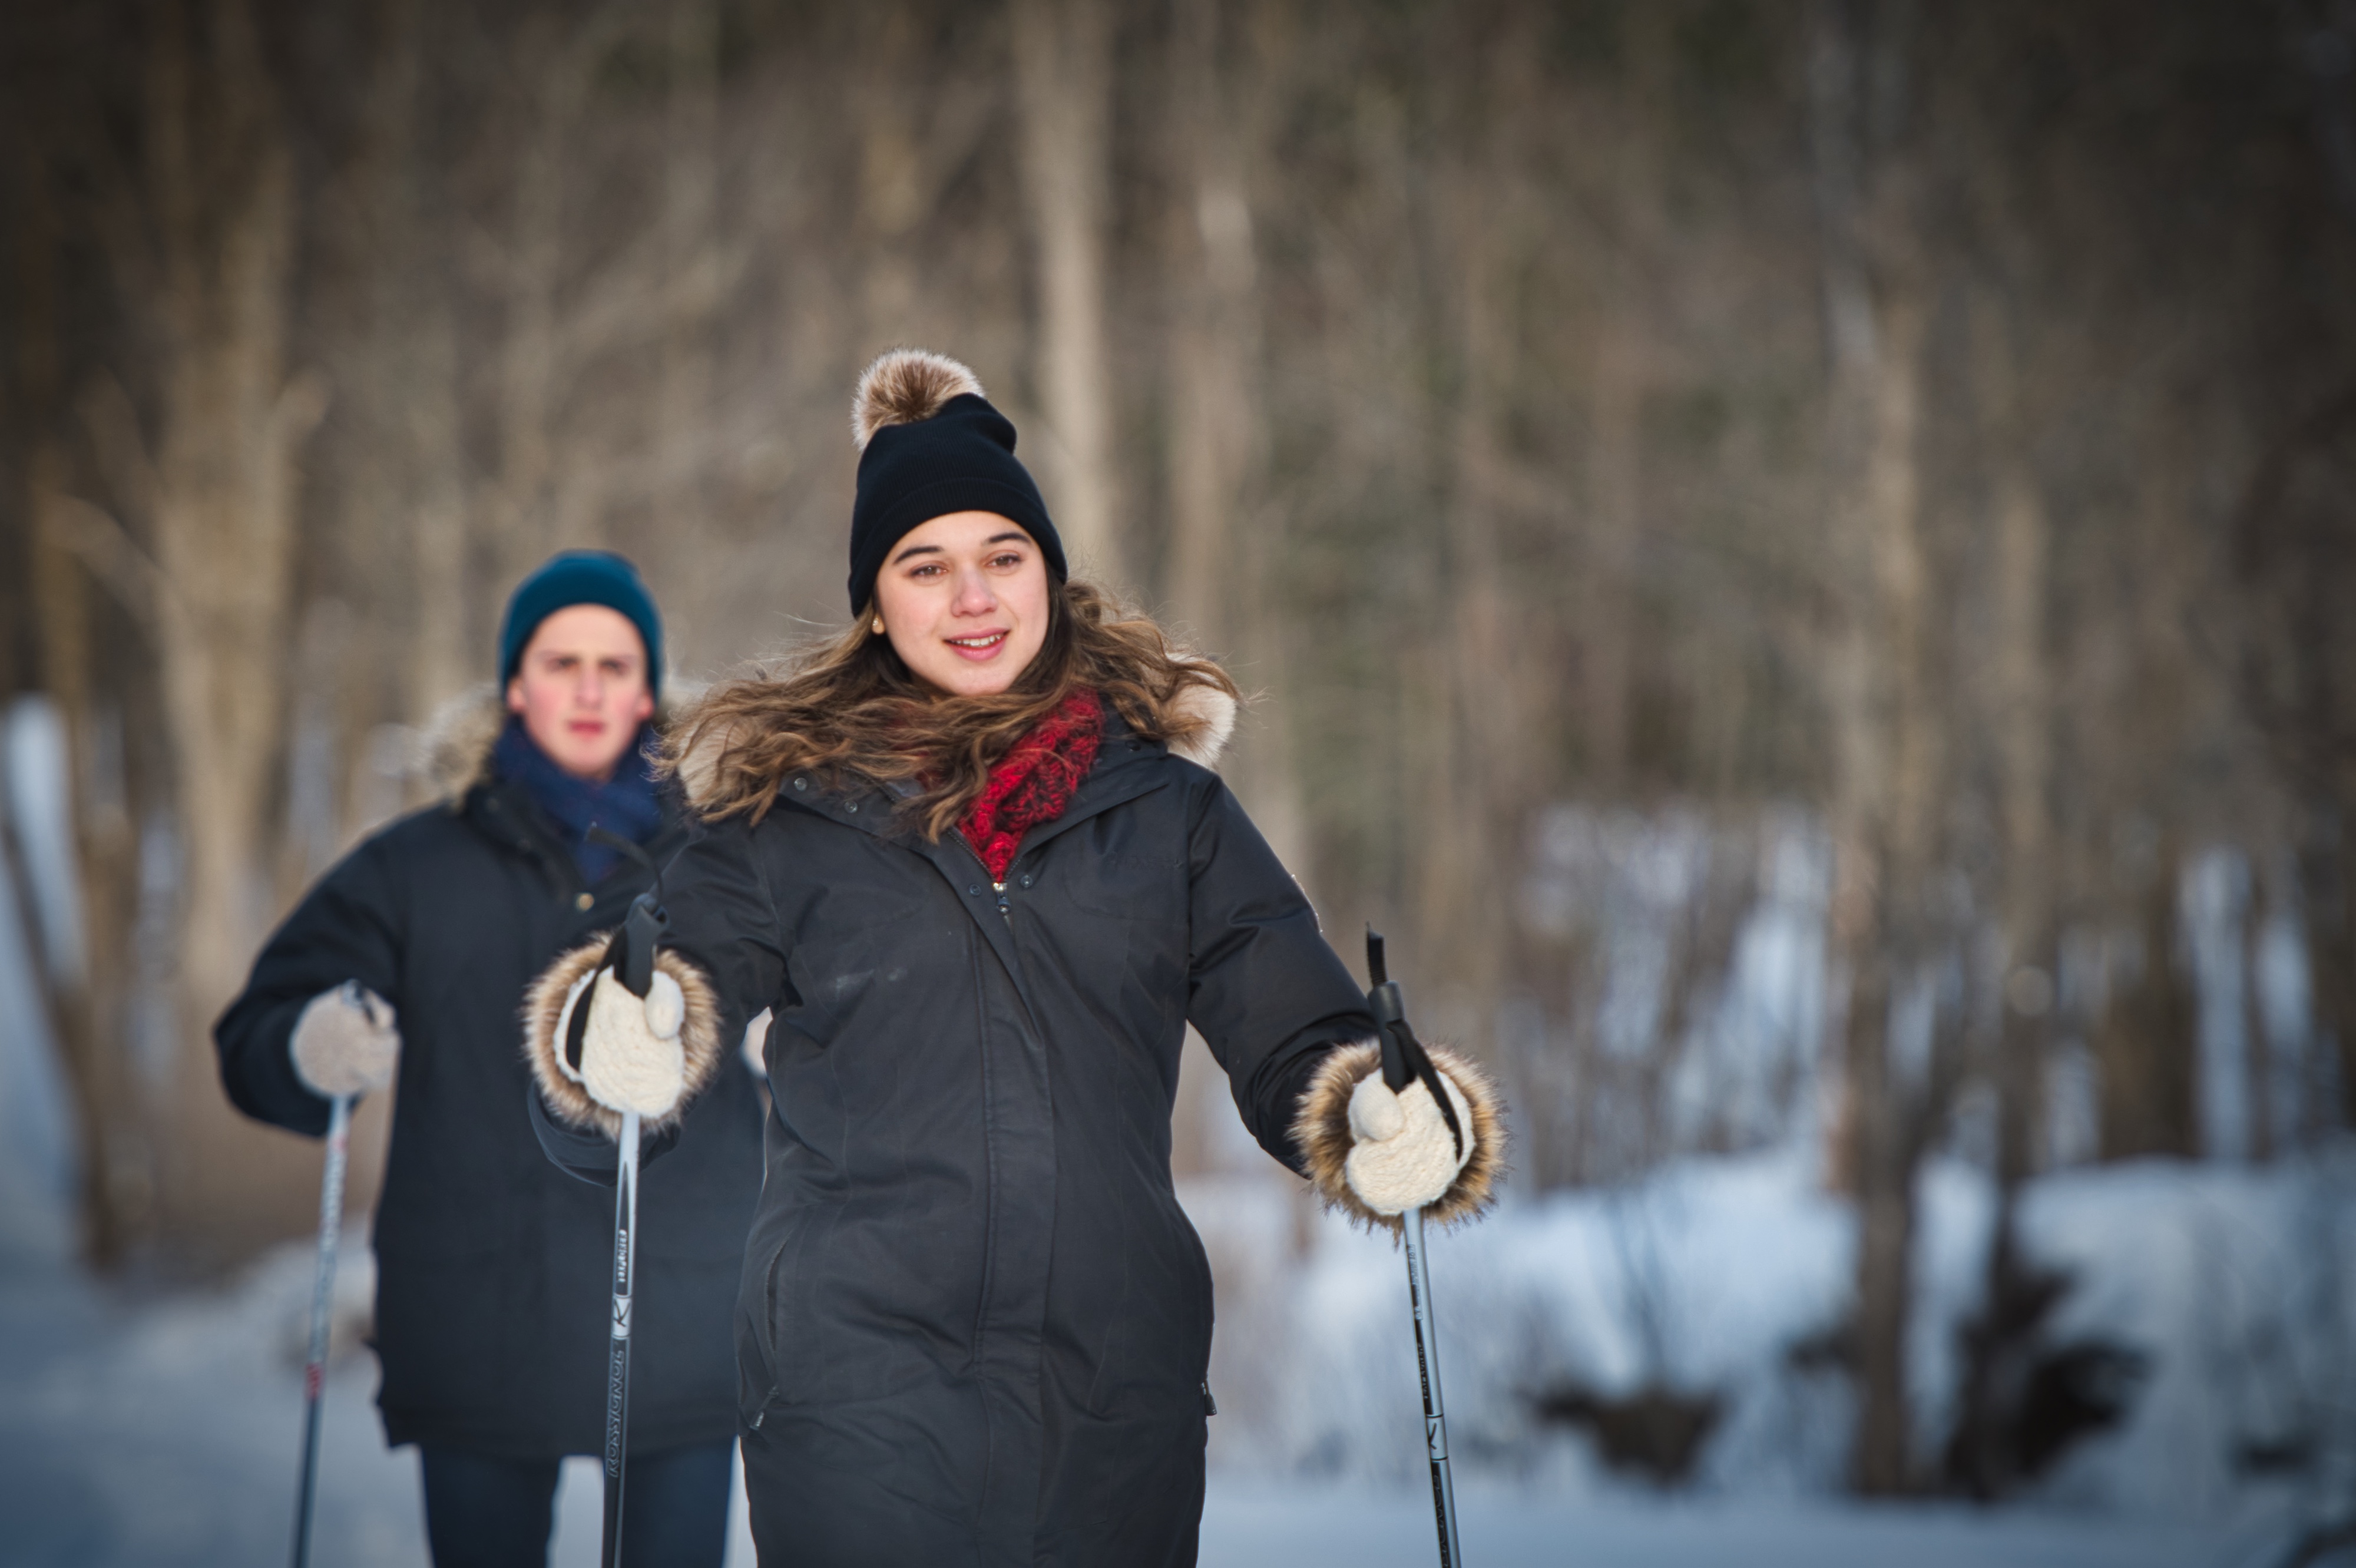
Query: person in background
[[416, 949]]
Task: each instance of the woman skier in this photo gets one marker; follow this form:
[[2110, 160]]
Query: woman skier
[[492, 1295], [971, 858]]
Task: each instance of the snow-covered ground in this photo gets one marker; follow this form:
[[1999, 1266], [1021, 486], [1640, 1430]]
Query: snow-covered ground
[[2236, 1284], [168, 1432], [164, 1430], [1252, 1526], [2236, 1287], [164, 1434]]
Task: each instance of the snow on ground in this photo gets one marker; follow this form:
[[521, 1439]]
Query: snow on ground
[[1259, 1526], [164, 1429], [2237, 1284], [164, 1433], [167, 1433]]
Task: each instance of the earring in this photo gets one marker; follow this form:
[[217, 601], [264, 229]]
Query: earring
[[879, 625]]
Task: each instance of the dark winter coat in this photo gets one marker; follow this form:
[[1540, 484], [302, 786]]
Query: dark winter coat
[[492, 1295], [974, 1324]]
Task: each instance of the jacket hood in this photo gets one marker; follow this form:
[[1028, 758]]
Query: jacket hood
[[1217, 711], [453, 751], [699, 768]]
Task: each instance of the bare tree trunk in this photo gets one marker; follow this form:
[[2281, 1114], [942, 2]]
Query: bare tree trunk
[[1475, 777], [1481, 780], [2329, 924], [523, 491], [88, 1014], [2146, 1047], [2258, 1060], [220, 508], [1063, 74], [692, 194], [1622, 374], [1885, 758], [1224, 546], [1890, 844], [85, 1007], [2018, 668], [396, 370], [2019, 714], [419, 343], [1221, 554], [1216, 344]]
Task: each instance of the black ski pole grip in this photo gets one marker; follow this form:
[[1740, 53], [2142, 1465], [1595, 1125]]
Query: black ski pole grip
[[1390, 1020], [640, 931], [1403, 1057], [1384, 1001], [631, 955]]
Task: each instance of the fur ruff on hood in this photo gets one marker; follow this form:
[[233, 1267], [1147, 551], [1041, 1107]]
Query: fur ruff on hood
[[454, 750], [699, 1037], [1321, 1131], [699, 767]]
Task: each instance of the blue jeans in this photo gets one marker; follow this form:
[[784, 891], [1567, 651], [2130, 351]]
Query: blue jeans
[[487, 1512]]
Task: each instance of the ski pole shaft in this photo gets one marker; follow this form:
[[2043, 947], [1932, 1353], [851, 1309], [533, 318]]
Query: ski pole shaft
[[1435, 1415], [1404, 1061], [322, 1290], [617, 1365]]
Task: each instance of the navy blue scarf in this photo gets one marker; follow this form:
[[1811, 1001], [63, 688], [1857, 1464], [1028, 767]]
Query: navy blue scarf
[[626, 804]]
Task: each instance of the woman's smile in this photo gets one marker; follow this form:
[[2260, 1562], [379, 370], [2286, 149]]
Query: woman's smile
[[979, 646]]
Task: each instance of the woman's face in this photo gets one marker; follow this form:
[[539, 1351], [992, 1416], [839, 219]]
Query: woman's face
[[964, 600], [581, 689]]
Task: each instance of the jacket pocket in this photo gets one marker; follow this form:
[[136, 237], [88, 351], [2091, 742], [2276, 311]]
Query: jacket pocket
[[789, 1331]]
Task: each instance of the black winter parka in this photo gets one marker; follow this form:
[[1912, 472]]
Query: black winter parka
[[974, 1324], [492, 1298]]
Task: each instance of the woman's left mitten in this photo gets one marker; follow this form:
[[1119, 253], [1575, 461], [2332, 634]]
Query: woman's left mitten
[[1402, 1153], [345, 1042], [1375, 1154], [650, 1054]]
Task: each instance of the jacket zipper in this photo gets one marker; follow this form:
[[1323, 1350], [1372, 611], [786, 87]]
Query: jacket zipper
[[1005, 911]]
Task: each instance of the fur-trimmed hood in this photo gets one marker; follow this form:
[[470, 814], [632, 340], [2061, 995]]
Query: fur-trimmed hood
[[699, 767], [454, 750]]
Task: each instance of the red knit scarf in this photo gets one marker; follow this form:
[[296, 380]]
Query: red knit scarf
[[1034, 782]]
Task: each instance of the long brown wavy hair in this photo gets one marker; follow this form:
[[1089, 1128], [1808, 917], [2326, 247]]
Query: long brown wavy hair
[[849, 706]]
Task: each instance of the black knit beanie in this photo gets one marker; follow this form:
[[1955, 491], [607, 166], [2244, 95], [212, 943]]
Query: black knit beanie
[[931, 445]]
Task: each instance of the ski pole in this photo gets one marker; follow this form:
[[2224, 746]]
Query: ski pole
[[1435, 1417], [322, 1290], [617, 1363], [631, 955], [1405, 1060]]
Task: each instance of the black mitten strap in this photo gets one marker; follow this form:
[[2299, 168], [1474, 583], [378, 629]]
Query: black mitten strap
[[1403, 1057]]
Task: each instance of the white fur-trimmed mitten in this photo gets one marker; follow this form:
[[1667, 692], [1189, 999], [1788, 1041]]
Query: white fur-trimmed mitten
[[345, 1041], [652, 1055], [1375, 1155]]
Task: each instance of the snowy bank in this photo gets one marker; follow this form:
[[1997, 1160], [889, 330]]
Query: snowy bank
[[1726, 1283]]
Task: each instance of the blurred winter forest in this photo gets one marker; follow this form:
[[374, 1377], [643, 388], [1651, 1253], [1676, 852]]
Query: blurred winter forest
[[1796, 556]]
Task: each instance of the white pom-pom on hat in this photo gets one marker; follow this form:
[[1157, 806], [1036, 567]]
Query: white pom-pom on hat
[[906, 386]]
